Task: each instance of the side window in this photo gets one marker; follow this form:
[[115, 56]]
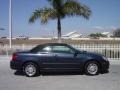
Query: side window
[[41, 48], [46, 49], [61, 49]]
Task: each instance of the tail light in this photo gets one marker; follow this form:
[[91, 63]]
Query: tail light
[[14, 56]]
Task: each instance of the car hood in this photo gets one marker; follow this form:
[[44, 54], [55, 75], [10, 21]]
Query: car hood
[[91, 53]]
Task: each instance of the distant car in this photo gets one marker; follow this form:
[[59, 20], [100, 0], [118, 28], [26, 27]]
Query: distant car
[[22, 38], [58, 57]]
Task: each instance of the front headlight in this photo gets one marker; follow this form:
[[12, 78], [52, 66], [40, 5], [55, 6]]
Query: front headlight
[[105, 58]]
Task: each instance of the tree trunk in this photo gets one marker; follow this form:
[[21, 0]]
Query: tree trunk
[[59, 30]]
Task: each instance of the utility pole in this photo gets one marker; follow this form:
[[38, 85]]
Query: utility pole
[[10, 24]]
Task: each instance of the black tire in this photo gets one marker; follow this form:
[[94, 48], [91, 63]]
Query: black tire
[[31, 69], [92, 68]]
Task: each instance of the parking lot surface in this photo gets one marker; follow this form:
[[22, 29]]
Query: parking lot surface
[[12, 80]]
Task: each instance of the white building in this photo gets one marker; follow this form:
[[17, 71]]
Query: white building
[[72, 35], [107, 34]]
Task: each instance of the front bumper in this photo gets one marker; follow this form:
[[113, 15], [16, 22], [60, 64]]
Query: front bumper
[[105, 66]]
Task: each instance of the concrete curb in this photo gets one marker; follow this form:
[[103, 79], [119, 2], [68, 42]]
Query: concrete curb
[[117, 62]]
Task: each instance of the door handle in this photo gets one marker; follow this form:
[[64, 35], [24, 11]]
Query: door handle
[[55, 55]]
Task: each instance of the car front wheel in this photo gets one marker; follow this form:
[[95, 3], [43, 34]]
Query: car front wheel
[[92, 68], [30, 69]]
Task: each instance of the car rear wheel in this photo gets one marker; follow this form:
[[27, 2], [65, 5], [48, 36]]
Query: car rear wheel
[[31, 69], [92, 68]]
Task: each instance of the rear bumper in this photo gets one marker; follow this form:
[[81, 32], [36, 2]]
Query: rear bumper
[[15, 65]]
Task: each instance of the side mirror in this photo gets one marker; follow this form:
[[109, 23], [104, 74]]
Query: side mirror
[[75, 54]]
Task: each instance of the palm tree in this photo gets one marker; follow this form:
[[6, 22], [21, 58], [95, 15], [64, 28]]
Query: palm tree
[[116, 33], [60, 9]]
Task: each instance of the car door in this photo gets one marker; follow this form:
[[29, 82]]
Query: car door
[[46, 58], [66, 58]]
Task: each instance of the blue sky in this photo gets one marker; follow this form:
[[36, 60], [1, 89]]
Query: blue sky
[[105, 17]]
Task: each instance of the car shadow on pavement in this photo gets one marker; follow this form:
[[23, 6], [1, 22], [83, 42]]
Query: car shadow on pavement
[[60, 73], [105, 72], [20, 73]]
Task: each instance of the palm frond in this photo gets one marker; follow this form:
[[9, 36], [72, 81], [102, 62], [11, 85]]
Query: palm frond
[[72, 7], [36, 14], [44, 14], [56, 3]]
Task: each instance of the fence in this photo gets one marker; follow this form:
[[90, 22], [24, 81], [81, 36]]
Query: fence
[[111, 51]]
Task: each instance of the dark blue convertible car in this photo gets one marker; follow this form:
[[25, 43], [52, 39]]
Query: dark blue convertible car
[[58, 57]]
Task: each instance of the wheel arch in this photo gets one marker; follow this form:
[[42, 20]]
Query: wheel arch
[[30, 62], [92, 60]]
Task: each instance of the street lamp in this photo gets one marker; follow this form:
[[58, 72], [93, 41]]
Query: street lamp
[[10, 24]]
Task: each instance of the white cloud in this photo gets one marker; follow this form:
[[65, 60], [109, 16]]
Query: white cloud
[[113, 27], [106, 27], [99, 27]]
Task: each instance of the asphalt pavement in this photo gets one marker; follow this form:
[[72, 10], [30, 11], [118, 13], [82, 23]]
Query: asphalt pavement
[[12, 80]]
